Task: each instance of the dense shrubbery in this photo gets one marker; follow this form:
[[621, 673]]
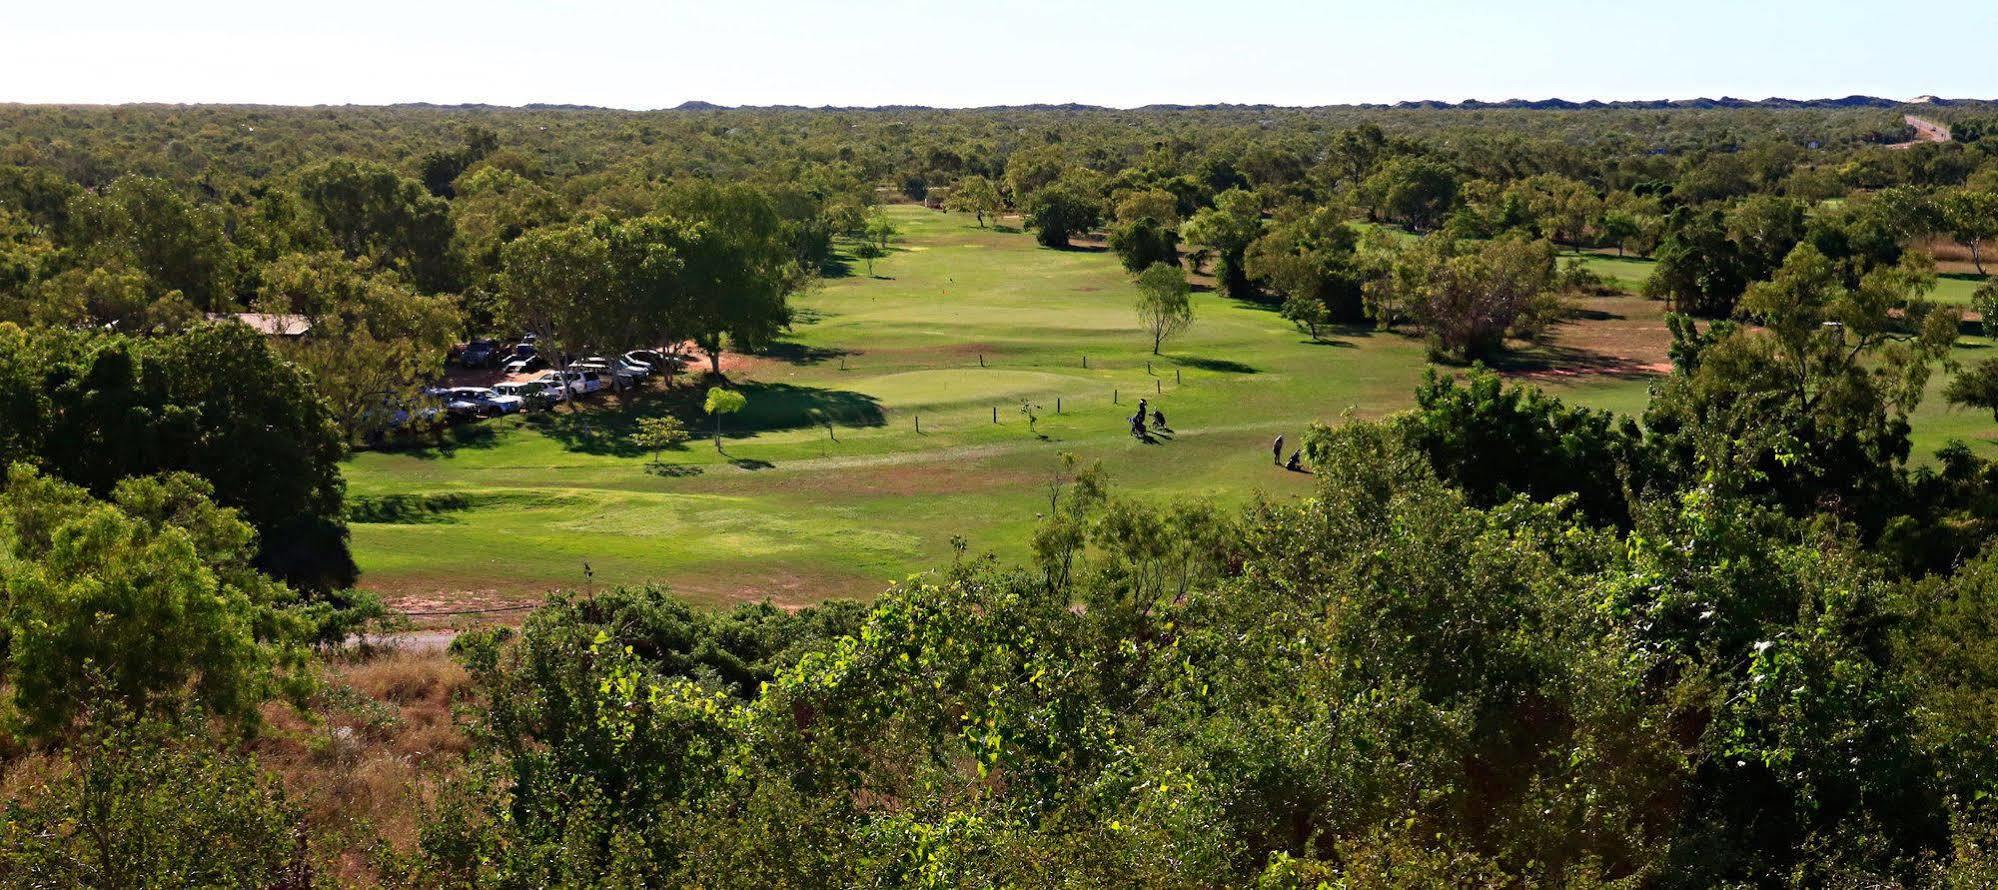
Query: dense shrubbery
[[1384, 683]]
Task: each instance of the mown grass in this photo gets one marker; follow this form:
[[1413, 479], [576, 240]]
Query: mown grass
[[795, 513]]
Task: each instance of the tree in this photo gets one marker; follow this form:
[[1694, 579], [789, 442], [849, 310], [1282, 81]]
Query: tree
[[1165, 308], [880, 231], [152, 804], [869, 251], [656, 434], [1700, 270], [1620, 227], [1975, 387], [216, 401], [373, 212], [1764, 229], [373, 341], [1310, 261], [1971, 217], [148, 226], [1228, 228], [975, 195], [1062, 209], [559, 283], [494, 206], [1810, 410], [135, 601], [738, 269], [720, 402], [1984, 302], [1144, 241], [1470, 298], [1416, 192]]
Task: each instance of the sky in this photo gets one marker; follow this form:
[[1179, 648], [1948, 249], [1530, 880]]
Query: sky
[[645, 54]]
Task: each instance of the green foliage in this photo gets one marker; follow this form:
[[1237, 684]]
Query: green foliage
[[371, 211], [1311, 262], [1062, 209], [149, 804], [134, 602], [1165, 307], [656, 434], [1495, 442], [1228, 228], [374, 341], [975, 195], [721, 401], [215, 401], [1144, 242], [1470, 298], [1416, 192]]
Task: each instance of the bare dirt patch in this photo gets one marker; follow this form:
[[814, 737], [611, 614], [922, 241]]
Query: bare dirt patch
[[1606, 336]]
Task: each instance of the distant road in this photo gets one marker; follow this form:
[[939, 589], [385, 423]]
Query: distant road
[[1926, 130]]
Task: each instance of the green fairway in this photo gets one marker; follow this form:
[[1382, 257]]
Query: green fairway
[[514, 508]]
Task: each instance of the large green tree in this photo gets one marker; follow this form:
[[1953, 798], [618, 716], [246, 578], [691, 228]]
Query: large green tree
[[131, 602], [369, 210], [1227, 229], [216, 401]]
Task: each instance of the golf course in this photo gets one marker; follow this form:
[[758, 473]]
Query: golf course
[[926, 404]]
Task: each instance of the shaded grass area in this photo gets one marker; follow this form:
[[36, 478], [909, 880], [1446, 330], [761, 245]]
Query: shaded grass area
[[828, 487]]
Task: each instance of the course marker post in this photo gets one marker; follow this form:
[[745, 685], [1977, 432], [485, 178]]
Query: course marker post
[[1114, 398], [995, 413], [1175, 377], [1057, 404], [1158, 386]]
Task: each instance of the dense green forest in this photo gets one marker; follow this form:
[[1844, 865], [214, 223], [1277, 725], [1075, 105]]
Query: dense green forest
[[1743, 638]]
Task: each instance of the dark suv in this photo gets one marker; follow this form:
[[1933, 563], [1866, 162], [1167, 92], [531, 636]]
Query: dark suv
[[480, 354]]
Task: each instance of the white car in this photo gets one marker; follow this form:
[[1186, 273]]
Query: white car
[[618, 367], [496, 402], [580, 383]]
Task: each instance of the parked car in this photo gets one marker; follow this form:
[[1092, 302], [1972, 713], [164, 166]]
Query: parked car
[[532, 393], [480, 354], [581, 383], [526, 365], [482, 402], [659, 362], [629, 372]]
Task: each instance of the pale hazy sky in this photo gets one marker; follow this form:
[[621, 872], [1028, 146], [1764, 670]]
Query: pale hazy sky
[[637, 54]]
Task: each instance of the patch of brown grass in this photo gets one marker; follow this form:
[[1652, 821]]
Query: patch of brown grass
[[363, 764]]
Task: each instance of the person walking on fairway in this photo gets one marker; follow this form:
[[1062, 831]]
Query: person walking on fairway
[[1276, 451]]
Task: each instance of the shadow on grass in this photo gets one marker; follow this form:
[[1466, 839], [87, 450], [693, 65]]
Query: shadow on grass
[[406, 509], [800, 354], [1548, 359], [1580, 314], [836, 266], [674, 471], [441, 442], [1219, 365], [606, 428], [750, 463]]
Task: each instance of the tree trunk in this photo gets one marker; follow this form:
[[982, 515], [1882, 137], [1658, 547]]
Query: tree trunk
[[1976, 259], [718, 447]]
